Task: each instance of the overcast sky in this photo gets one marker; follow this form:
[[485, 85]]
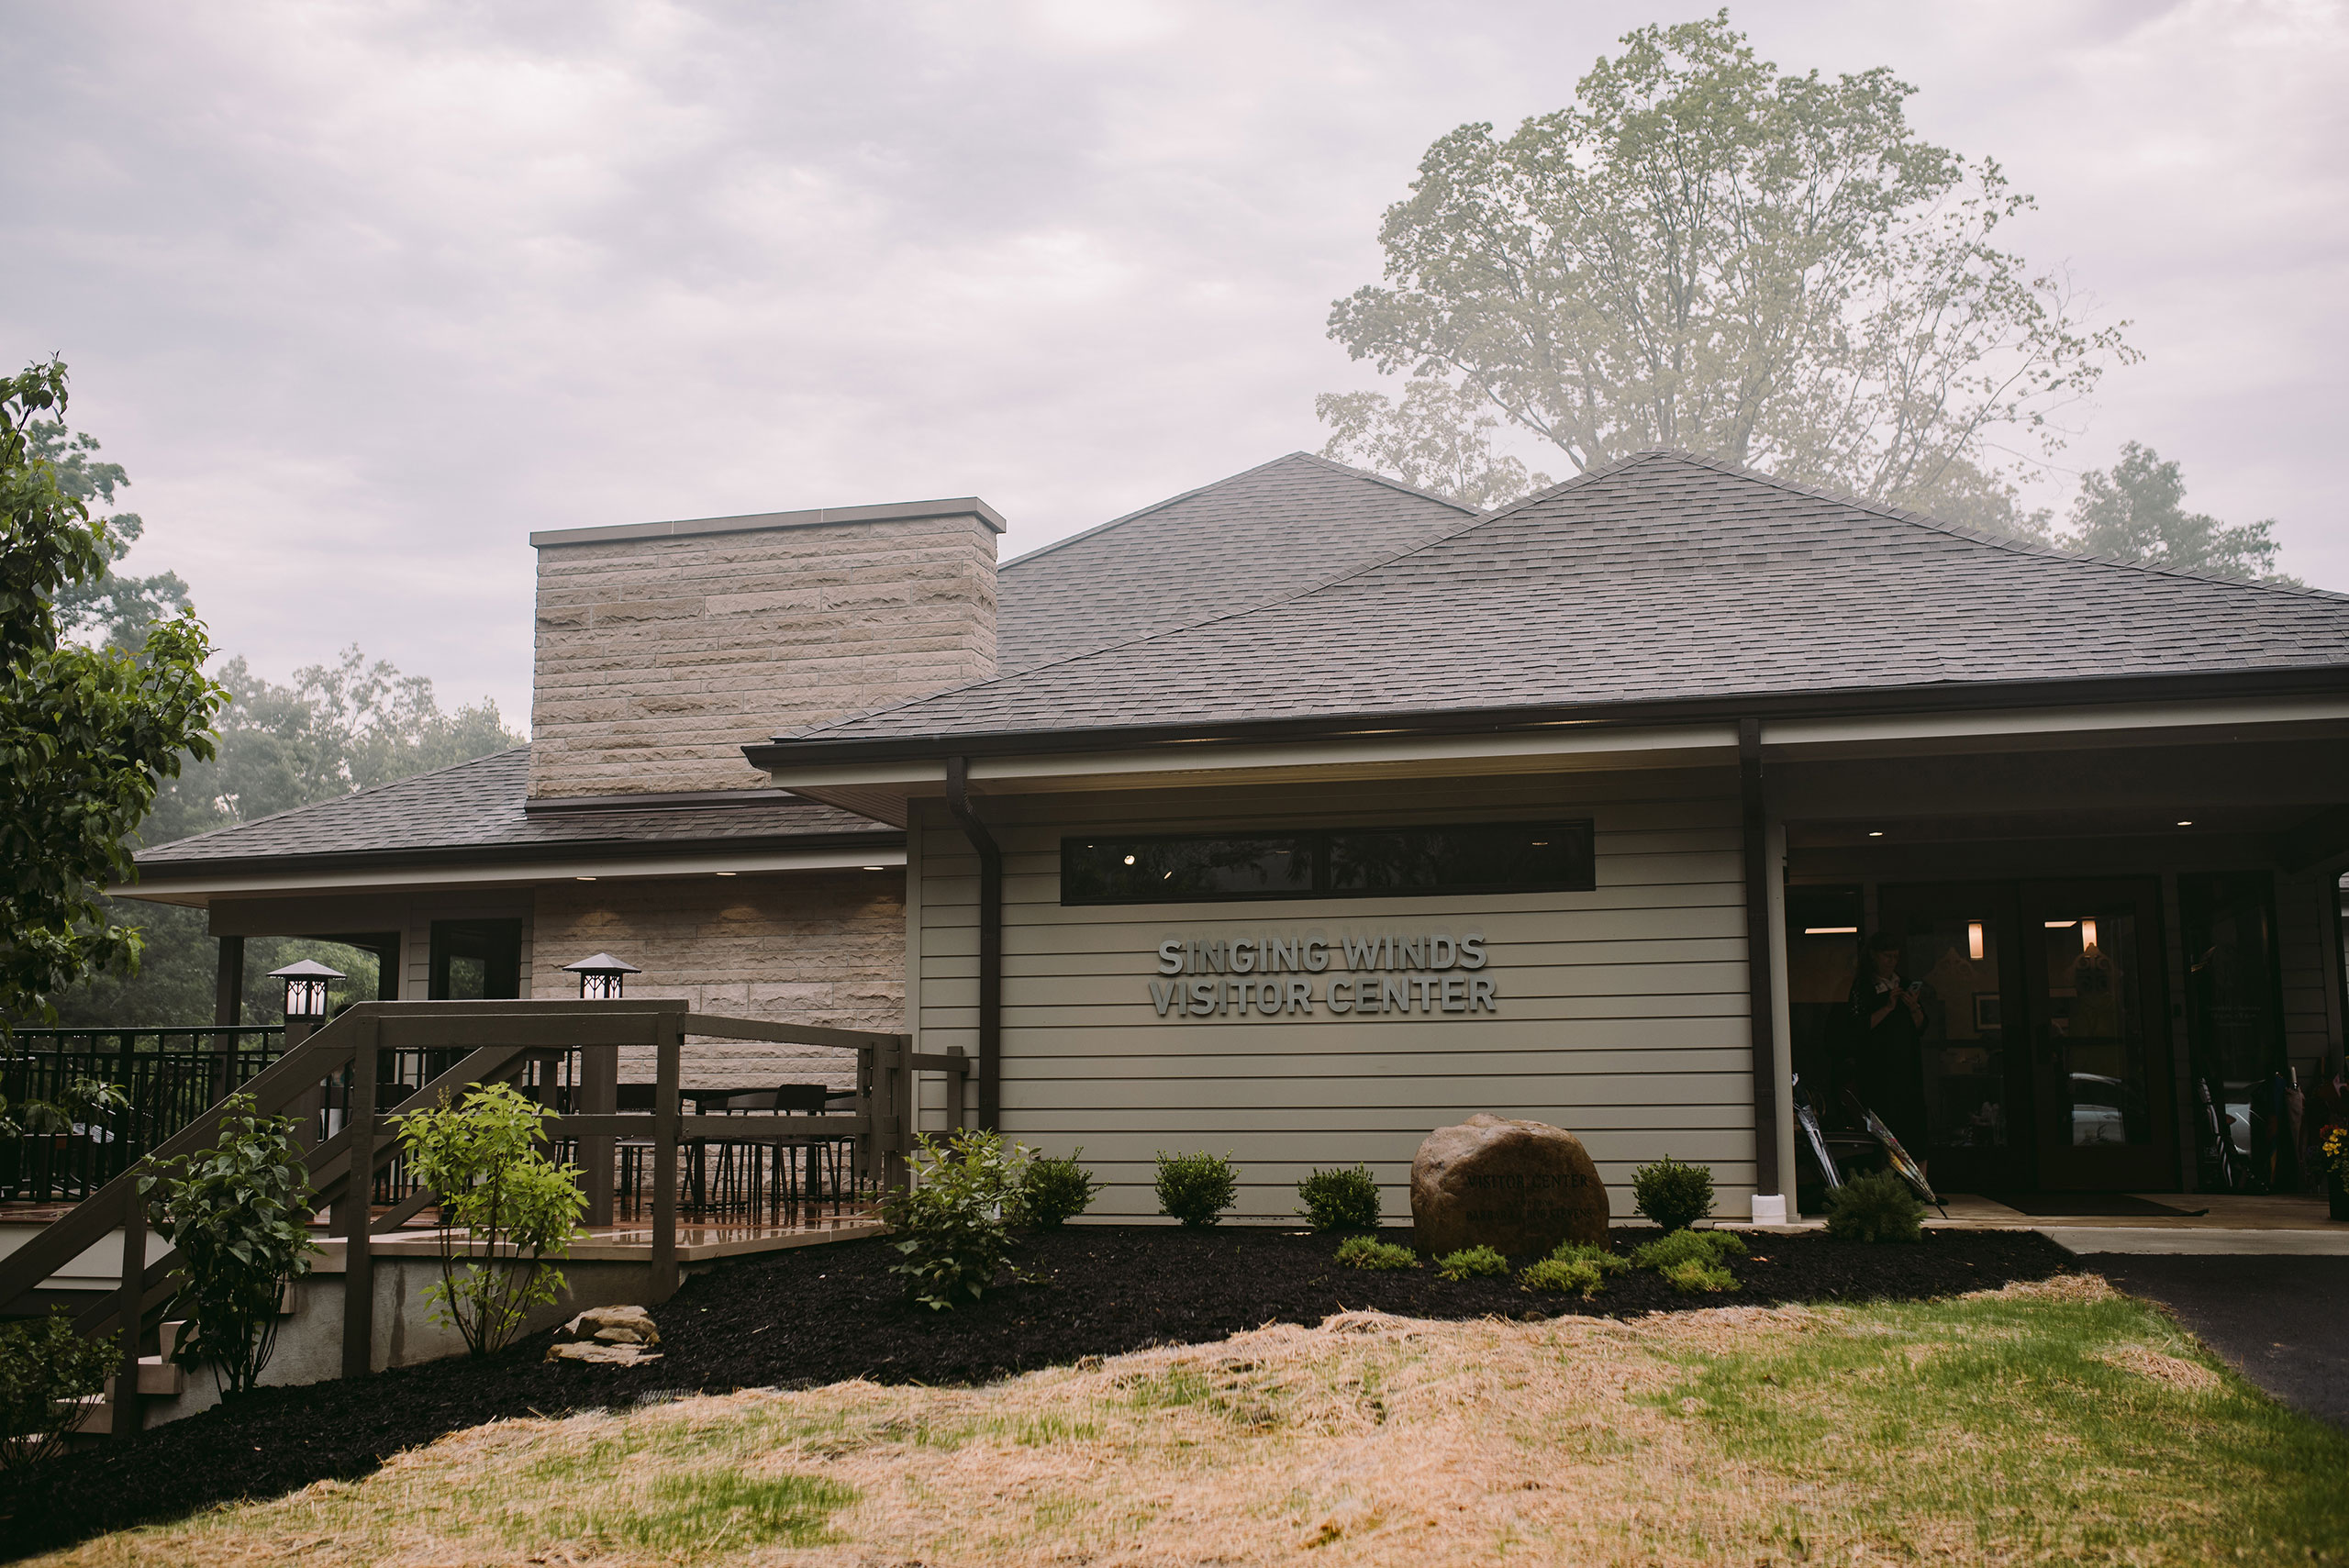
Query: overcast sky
[[362, 293]]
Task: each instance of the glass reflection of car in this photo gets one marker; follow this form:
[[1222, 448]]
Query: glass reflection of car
[[2096, 1109]]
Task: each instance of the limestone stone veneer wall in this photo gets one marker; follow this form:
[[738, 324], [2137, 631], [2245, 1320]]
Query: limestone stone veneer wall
[[664, 648], [806, 948]]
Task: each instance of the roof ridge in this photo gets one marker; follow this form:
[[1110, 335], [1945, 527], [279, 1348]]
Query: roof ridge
[[499, 755], [1975, 535], [1475, 520], [1233, 479]]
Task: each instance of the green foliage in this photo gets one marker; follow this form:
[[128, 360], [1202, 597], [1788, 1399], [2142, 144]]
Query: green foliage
[[1472, 1261], [87, 734], [239, 1214], [1369, 1253], [1564, 1276], [1674, 1194], [2138, 510], [84, 1101], [1195, 1188], [1437, 439], [1341, 1200], [1679, 1247], [44, 1367], [1606, 1261], [1694, 1276], [1702, 252], [515, 1207], [952, 1224], [1053, 1191], [1875, 1208]]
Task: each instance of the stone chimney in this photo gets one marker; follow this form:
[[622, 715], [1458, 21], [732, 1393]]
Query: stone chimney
[[664, 648]]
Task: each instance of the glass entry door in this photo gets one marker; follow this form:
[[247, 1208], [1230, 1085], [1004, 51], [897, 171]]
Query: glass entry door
[[2099, 1037], [1957, 939]]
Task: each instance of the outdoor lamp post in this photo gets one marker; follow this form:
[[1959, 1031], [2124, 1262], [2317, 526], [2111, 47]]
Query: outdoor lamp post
[[306, 989], [601, 977]]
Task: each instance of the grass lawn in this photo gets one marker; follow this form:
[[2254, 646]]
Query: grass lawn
[[2053, 1422]]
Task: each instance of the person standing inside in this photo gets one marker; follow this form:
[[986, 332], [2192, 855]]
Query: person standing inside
[[1891, 1015]]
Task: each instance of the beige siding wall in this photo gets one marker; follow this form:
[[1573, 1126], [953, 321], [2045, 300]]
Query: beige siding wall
[[1623, 1012], [805, 949], [659, 659]]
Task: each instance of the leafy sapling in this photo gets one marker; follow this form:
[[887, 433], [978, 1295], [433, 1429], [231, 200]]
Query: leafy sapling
[[239, 1214], [501, 1200], [1197, 1188], [1675, 1196], [1341, 1200], [46, 1372], [951, 1223]]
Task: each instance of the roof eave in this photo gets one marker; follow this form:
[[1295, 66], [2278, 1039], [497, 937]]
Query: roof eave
[[783, 754], [619, 853]]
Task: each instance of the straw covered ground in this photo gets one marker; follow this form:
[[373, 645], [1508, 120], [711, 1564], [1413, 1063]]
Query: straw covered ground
[[2051, 1421]]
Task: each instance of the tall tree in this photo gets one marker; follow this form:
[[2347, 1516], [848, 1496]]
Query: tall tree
[[87, 734], [2137, 509], [1702, 252]]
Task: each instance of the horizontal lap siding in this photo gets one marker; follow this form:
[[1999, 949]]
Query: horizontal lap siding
[[1623, 1010]]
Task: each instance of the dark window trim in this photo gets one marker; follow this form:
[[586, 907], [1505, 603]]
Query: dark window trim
[[1318, 839]]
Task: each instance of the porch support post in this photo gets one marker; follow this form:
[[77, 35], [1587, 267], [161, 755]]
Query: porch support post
[[668, 1042], [130, 1302], [958, 801], [358, 1233], [1769, 1065], [229, 985]]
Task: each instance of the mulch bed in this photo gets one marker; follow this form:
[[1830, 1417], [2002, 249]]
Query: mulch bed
[[823, 1314]]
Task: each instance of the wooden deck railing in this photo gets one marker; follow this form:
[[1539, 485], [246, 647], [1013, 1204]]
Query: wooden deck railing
[[501, 1040]]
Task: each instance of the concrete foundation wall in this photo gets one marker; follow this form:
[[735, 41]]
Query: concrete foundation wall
[[825, 950]]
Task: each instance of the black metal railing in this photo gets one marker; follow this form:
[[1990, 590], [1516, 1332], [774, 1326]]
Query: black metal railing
[[168, 1076]]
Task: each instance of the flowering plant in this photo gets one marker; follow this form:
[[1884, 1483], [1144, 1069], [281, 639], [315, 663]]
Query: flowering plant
[[2336, 1153]]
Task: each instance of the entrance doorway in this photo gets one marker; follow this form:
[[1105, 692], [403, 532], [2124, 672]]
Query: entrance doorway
[[2045, 1047]]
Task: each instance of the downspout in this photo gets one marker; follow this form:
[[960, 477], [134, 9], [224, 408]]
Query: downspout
[[1761, 982], [958, 801]]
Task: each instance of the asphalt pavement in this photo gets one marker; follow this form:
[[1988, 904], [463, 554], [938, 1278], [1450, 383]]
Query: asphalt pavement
[[2277, 1319]]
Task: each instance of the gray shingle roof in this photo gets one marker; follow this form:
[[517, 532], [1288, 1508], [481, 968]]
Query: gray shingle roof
[[476, 808], [1255, 537], [1662, 577]]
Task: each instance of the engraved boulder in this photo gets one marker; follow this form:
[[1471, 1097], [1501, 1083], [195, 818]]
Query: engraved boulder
[[1518, 1186]]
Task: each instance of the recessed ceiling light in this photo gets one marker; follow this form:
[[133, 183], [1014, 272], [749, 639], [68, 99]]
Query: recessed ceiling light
[[582, 879], [2188, 823], [877, 868], [725, 874], [1831, 930], [1875, 832]]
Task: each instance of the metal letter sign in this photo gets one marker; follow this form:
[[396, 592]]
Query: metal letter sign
[[1434, 974]]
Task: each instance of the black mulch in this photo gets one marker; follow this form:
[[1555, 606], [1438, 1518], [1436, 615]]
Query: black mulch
[[822, 1314]]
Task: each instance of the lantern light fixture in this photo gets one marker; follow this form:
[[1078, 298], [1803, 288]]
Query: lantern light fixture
[[306, 987], [601, 977]]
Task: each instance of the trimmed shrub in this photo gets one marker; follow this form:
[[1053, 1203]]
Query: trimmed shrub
[[1679, 1247], [500, 1193], [1673, 1195], [1197, 1188], [240, 1214], [951, 1231], [1053, 1192], [1470, 1261], [1694, 1277], [45, 1369], [1875, 1208], [1564, 1276], [1341, 1200], [1369, 1252]]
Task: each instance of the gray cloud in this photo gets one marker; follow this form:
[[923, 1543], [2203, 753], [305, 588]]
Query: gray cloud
[[362, 293]]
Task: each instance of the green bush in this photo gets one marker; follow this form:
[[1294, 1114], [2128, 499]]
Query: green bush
[[1564, 1276], [1673, 1195], [1052, 1191], [1694, 1276], [1875, 1208], [1470, 1261], [509, 1201], [951, 1222], [1679, 1247], [1369, 1253], [240, 1214], [1341, 1200], [45, 1369], [1606, 1262], [1197, 1188]]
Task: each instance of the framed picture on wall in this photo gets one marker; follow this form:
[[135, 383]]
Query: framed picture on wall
[[1986, 1012]]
